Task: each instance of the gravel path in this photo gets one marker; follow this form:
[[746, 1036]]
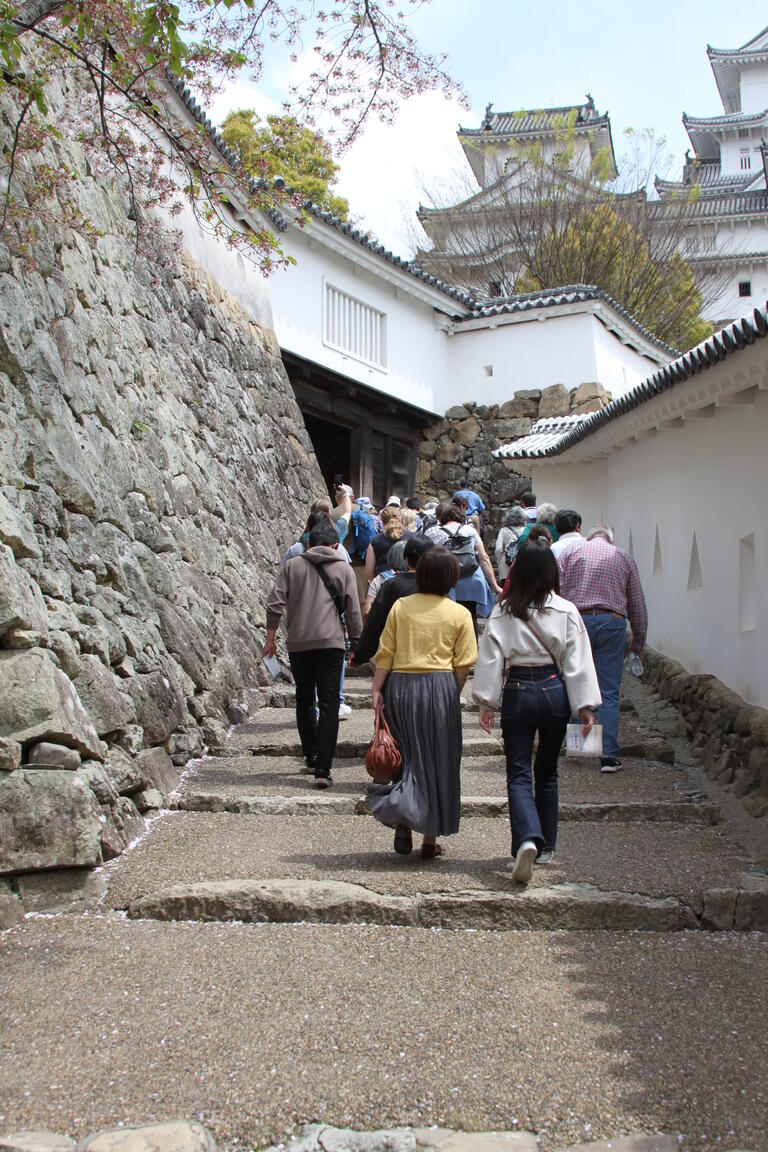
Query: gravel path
[[257, 1029]]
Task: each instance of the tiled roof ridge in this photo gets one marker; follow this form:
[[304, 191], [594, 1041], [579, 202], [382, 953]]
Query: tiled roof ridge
[[711, 180], [745, 48], [723, 118], [597, 121], [720, 202], [568, 294], [281, 221], [709, 352]]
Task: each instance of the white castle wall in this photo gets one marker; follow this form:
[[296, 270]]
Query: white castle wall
[[709, 478]]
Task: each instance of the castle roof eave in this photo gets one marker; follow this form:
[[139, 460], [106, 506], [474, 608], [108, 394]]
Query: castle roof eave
[[588, 297], [725, 66], [529, 125], [733, 338]]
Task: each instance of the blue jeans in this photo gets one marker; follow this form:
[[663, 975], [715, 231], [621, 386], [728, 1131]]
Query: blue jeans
[[534, 700], [608, 637]]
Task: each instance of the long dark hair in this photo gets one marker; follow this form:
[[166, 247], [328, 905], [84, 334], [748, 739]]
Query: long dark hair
[[532, 577]]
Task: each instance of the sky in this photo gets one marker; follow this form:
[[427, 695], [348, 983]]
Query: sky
[[643, 63]]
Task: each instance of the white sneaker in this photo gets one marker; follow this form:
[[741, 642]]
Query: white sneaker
[[545, 857], [344, 711], [523, 869]]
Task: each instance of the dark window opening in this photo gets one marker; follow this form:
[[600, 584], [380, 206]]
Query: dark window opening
[[745, 287]]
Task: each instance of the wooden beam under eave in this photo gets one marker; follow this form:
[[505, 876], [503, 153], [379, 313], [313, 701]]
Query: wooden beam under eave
[[738, 399], [670, 425], [705, 413]]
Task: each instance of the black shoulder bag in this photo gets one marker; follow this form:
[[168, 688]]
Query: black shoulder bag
[[334, 596]]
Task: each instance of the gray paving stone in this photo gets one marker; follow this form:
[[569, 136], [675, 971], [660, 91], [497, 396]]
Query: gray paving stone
[[682, 812], [569, 906], [172, 1136], [36, 1141]]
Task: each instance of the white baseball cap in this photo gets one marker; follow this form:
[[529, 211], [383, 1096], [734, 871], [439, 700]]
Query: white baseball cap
[[395, 500]]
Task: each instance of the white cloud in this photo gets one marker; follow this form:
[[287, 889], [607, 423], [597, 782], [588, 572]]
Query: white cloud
[[241, 95], [385, 173]]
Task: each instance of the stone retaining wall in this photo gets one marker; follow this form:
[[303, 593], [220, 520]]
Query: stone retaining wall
[[457, 451], [153, 463], [731, 734]]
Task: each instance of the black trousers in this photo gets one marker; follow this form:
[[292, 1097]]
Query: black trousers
[[318, 671], [471, 607]]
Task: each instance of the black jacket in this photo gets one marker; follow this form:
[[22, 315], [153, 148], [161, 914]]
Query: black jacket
[[392, 590]]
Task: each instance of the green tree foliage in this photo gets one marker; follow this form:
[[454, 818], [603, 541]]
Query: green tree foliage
[[598, 246], [283, 147]]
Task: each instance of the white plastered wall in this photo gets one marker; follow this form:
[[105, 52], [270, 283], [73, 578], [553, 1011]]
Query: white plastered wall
[[489, 364], [708, 477], [416, 347]]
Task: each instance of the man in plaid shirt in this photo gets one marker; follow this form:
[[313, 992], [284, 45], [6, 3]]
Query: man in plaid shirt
[[603, 582]]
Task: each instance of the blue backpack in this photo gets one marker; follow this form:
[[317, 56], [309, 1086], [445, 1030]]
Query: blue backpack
[[361, 531]]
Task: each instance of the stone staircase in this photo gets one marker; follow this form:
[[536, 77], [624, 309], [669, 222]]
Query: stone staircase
[[641, 849], [266, 962]]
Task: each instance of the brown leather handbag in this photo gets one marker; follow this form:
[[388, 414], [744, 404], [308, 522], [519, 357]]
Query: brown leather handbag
[[382, 759]]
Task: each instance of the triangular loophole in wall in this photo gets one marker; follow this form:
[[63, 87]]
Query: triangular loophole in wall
[[694, 567], [657, 565]]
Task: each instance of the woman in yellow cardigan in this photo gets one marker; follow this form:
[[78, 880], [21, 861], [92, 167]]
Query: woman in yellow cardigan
[[425, 653]]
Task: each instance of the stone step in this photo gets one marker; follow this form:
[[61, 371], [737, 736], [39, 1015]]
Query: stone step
[[580, 781], [564, 907], [273, 732], [576, 907], [655, 859], [323, 804], [253, 1028]]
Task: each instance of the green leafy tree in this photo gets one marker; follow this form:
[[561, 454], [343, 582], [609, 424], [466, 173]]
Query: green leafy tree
[[283, 147], [598, 246]]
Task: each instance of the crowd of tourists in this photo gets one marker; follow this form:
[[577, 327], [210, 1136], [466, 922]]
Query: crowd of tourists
[[403, 588]]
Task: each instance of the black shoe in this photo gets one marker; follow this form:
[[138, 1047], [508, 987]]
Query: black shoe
[[323, 780], [610, 764], [403, 840]]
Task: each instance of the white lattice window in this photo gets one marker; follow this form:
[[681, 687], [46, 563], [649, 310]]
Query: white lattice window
[[354, 327], [745, 159]]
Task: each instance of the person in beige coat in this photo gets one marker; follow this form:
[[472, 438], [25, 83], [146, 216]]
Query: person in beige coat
[[318, 615], [535, 665]]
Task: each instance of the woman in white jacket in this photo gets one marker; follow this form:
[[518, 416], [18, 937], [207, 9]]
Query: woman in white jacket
[[538, 642]]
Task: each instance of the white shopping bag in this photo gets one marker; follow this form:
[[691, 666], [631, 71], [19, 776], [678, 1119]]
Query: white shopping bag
[[576, 744], [272, 666]]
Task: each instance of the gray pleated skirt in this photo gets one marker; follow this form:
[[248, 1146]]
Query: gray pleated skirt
[[423, 709]]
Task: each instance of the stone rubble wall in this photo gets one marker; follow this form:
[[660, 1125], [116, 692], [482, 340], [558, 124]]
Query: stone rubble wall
[[730, 734], [457, 451], [153, 464]]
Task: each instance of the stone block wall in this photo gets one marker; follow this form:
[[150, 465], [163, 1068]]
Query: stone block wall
[[153, 465], [731, 735], [458, 450]]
